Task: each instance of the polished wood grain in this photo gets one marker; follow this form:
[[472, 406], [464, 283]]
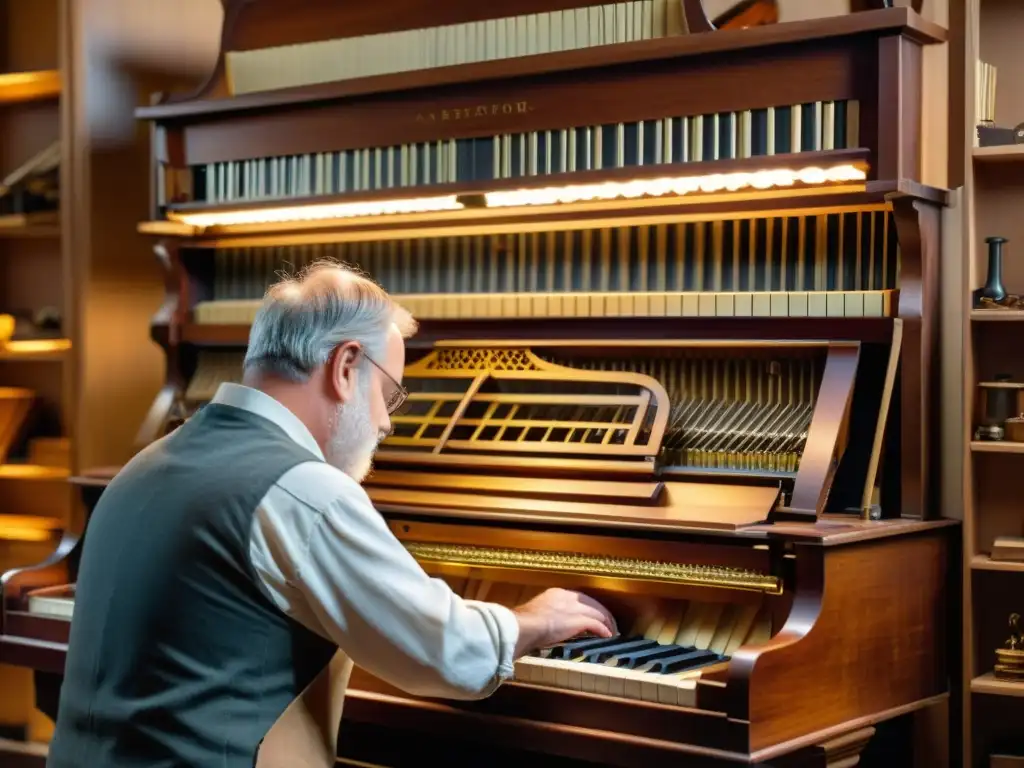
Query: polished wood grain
[[858, 632], [817, 31], [827, 435], [669, 86], [917, 223], [889, 659], [793, 693]]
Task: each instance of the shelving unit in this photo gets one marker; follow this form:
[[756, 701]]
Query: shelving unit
[[993, 344], [19, 87], [36, 501]]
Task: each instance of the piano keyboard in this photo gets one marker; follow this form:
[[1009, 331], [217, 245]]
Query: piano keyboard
[[808, 127], [659, 659], [829, 265], [416, 49], [509, 306]]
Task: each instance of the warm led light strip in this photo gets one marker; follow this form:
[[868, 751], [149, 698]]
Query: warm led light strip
[[681, 185], [673, 185], [318, 212]]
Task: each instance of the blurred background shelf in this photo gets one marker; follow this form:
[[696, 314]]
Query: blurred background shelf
[[18, 87]]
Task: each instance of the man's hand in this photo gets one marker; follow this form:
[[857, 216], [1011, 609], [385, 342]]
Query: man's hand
[[557, 615]]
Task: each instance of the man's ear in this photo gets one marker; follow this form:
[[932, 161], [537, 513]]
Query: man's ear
[[341, 369]]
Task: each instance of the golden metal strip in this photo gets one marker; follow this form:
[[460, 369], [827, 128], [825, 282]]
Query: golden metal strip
[[589, 565]]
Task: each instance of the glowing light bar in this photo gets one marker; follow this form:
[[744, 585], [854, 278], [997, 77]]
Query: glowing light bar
[[611, 190], [679, 185], [319, 212]]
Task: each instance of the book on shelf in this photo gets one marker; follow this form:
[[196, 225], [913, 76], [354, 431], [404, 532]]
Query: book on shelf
[[1008, 548], [984, 96]]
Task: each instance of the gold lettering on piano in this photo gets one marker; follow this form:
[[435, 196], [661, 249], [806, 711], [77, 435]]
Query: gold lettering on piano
[[456, 114], [588, 565]]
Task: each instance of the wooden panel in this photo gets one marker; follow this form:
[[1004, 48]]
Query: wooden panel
[[268, 23], [896, 588], [895, 20], [579, 490], [687, 505], [659, 89]]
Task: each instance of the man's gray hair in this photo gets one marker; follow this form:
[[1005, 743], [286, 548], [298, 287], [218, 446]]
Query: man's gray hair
[[304, 318]]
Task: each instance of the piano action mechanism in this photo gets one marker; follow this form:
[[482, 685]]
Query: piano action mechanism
[[677, 348]]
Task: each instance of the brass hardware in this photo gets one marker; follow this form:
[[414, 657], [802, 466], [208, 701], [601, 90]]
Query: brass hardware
[[1010, 658], [588, 565]]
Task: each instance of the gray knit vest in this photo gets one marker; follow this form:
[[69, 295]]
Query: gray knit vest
[[177, 655]]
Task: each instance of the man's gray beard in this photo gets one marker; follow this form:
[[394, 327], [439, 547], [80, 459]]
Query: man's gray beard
[[353, 437]]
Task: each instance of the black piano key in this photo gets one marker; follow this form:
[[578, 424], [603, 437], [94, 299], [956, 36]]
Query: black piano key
[[573, 648], [423, 164], [730, 279], [401, 159], [463, 161], [199, 173], [809, 128], [582, 160], [791, 251], [483, 159], [840, 128], [650, 129], [758, 281], [350, 170], [832, 245], [634, 659], [726, 136], [517, 155], [685, 660], [679, 126], [744, 277], [608, 146], [810, 251], [783, 127], [542, 153], [603, 654], [759, 132], [709, 136]]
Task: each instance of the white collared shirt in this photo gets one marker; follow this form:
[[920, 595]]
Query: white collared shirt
[[328, 560]]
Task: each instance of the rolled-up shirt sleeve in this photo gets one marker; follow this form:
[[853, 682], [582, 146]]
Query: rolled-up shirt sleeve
[[326, 557]]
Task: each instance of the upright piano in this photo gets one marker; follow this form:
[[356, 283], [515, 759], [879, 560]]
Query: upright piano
[[677, 287]]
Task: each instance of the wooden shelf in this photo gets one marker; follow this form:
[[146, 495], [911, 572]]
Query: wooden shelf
[[27, 528], [18, 87], [986, 563], [33, 472], [30, 225], [997, 315], [32, 350], [1008, 153], [996, 446], [990, 684]]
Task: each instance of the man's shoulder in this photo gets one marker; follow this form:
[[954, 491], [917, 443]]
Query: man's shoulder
[[321, 486]]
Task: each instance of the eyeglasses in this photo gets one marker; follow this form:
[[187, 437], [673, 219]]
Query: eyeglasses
[[397, 398]]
